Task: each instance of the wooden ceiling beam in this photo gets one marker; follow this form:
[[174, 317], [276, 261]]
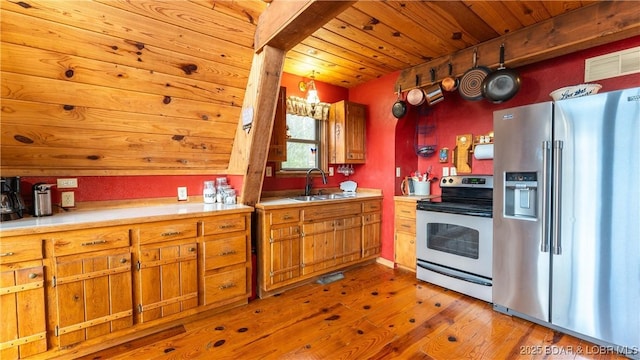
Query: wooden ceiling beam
[[587, 27], [284, 24]]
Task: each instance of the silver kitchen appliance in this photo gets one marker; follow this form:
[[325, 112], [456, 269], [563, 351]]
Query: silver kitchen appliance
[[42, 199], [566, 222], [454, 236]]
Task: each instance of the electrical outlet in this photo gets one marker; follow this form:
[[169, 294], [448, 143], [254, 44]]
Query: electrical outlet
[[182, 193], [67, 199], [330, 170], [398, 172], [67, 183], [268, 171]]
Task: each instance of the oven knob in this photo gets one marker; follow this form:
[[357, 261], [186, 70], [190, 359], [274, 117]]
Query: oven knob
[[444, 181], [450, 180]]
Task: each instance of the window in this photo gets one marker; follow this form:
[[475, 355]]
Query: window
[[304, 143]]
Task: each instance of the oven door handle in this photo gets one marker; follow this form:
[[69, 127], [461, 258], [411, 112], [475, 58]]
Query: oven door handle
[[453, 274]]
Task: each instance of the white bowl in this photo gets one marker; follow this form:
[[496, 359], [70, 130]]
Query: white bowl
[[575, 91]]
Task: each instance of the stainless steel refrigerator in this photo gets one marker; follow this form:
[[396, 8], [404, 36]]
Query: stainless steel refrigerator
[[566, 216]]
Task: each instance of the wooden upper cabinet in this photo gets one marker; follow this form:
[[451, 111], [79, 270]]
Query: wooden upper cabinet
[[278, 146], [347, 128]]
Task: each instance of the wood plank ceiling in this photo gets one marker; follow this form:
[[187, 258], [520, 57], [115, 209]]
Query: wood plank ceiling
[[374, 38]]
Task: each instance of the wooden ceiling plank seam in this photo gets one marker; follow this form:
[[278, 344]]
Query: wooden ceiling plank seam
[[374, 44], [26, 87], [248, 11], [331, 77], [19, 29], [54, 65], [387, 15], [286, 23], [495, 14], [342, 66], [589, 26], [528, 12], [555, 8], [107, 20], [190, 16], [456, 12], [442, 26], [346, 54], [38, 113], [420, 50]]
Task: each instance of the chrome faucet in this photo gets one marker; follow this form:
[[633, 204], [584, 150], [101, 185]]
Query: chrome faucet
[[308, 184]]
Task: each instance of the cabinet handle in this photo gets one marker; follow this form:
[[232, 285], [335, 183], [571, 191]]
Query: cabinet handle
[[411, 242], [287, 217], [123, 261], [7, 254], [33, 276], [230, 252], [227, 286], [171, 233], [228, 226], [192, 249], [96, 242]]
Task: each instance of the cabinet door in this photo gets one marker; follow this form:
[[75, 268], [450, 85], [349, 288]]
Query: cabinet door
[[93, 295], [22, 313], [348, 239], [278, 146], [347, 133], [355, 125], [319, 246], [282, 263], [406, 250], [371, 235], [168, 279]]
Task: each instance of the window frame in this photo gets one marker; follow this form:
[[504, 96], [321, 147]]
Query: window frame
[[323, 153]]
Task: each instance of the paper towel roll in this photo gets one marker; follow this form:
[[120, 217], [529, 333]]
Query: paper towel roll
[[483, 151]]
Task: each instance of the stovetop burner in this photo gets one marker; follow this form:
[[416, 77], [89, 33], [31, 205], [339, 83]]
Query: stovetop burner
[[465, 195]]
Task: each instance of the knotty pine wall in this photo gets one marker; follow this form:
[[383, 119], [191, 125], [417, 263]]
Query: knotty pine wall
[[109, 87]]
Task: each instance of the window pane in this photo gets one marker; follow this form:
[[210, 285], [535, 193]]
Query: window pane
[[301, 127], [300, 156]]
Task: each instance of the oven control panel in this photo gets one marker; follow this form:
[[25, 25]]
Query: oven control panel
[[482, 181]]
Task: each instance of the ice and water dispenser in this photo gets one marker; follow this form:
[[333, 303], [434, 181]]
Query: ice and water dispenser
[[520, 194]]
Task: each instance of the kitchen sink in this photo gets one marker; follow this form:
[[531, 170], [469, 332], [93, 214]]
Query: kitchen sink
[[322, 197]]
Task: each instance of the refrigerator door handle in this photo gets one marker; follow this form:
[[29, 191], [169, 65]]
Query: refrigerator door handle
[[557, 195], [546, 195]]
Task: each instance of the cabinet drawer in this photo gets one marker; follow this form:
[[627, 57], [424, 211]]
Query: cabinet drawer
[[20, 248], [285, 216], [77, 242], [224, 224], [371, 218], [332, 211], [405, 225], [406, 209], [224, 252], [165, 231], [371, 206], [225, 285]]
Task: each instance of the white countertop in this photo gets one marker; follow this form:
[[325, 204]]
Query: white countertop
[[142, 213], [285, 201]]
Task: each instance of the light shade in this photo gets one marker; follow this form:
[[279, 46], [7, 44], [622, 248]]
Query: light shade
[[312, 92]]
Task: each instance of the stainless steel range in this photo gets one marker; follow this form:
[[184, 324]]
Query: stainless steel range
[[454, 236]]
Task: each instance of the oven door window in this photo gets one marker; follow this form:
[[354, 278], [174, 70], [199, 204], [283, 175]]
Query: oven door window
[[453, 239]]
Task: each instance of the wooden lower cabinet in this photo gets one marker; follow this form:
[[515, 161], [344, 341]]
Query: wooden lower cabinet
[[297, 243], [23, 329], [61, 289], [405, 234]]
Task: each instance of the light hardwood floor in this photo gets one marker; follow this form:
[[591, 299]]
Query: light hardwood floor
[[373, 313]]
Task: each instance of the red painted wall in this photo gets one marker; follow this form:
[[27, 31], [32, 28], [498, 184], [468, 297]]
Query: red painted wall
[[389, 141]]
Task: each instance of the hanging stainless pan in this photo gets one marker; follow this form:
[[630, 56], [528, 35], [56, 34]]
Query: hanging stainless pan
[[400, 106], [470, 87], [502, 84]]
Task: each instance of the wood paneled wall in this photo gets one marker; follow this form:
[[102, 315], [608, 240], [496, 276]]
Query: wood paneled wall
[[115, 87]]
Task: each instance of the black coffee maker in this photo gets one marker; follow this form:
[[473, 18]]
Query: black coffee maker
[[11, 204]]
